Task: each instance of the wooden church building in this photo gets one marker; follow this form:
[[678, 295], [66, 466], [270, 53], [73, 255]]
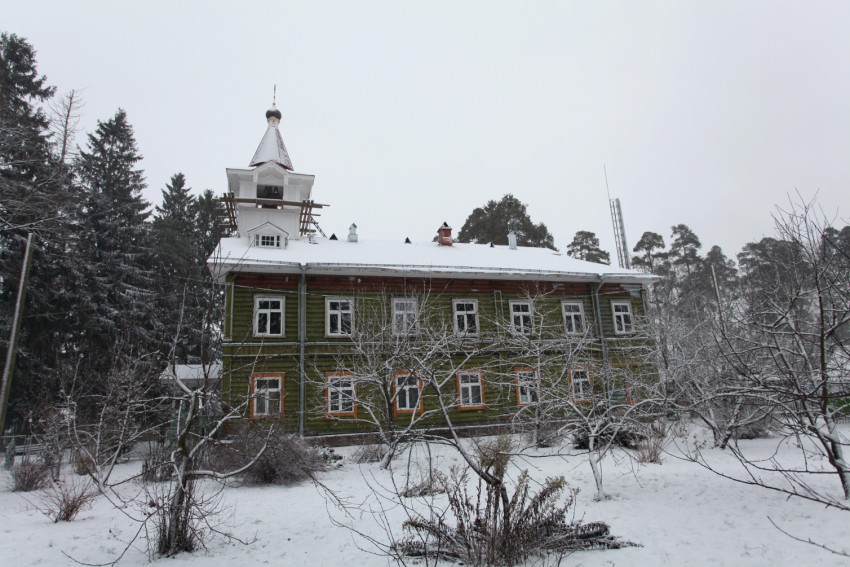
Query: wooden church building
[[339, 335]]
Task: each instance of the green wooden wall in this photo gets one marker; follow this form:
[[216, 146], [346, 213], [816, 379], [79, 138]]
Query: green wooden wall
[[246, 355]]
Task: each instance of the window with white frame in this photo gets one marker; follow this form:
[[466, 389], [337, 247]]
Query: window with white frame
[[471, 390], [268, 316], [573, 317], [526, 387], [340, 394], [405, 316], [622, 311], [339, 321], [580, 379], [521, 317], [466, 316], [267, 240], [266, 395], [407, 393]]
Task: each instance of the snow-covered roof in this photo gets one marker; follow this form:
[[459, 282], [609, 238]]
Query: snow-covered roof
[[271, 147], [192, 374], [266, 226], [423, 259]]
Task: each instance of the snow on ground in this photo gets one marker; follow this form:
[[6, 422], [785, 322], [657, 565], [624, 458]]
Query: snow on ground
[[682, 515]]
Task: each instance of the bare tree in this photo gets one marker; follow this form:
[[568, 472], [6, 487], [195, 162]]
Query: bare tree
[[65, 114], [786, 342], [104, 424], [404, 354], [702, 383], [568, 384]]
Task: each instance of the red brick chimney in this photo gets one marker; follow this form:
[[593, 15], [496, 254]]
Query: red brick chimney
[[444, 235]]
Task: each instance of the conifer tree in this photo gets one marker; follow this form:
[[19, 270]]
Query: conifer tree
[[37, 196], [178, 205], [493, 222], [684, 250], [186, 232], [653, 257], [585, 246], [119, 282], [179, 273]]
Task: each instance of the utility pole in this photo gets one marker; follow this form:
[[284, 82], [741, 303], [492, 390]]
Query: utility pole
[[9, 368]]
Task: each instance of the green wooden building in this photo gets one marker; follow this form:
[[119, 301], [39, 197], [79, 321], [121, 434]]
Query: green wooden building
[[342, 335]]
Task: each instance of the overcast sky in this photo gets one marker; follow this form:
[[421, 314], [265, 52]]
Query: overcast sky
[[411, 114]]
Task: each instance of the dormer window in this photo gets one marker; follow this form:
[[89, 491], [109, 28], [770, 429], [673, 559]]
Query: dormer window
[[267, 240], [267, 235]]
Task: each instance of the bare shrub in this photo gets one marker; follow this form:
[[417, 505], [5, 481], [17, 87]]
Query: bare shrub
[[156, 464], [178, 518], [369, 454], [83, 463], [65, 499], [287, 459], [546, 434], [624, 435], [429, 483], [651, 447], [757, 430], [29, 475], [495, 454], [492, 529]]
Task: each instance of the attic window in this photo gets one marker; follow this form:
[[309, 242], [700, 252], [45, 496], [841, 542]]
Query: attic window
[[267, 240]]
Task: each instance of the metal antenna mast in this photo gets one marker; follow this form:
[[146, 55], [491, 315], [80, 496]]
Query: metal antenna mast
[[623, 259]]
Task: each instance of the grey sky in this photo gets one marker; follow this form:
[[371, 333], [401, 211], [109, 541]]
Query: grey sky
[[411, 114]]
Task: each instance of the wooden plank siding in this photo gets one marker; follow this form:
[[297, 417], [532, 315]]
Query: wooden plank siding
[[245, 354]]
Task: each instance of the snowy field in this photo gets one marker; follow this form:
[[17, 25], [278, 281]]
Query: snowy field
[[680, 513]]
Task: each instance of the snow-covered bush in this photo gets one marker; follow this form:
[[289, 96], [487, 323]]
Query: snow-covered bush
[[655, 438], [492, 528], [29, 475], [64, 499], [369, 454], [156, 466], [287, 459], [624, 435]]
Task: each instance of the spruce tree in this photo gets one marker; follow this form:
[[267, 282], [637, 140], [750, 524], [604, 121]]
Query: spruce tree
[[186, 232], [118, 288], [36, 195], [179, 276]]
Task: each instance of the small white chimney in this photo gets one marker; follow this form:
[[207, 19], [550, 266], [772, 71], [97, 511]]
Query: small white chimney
[[352, 233], [512, 240]]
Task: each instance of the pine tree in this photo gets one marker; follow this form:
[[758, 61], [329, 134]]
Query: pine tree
[[496, 219], [684, 250], [585, 246], [650, 260]]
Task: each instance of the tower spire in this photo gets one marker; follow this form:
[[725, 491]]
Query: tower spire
[[271, 147]]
